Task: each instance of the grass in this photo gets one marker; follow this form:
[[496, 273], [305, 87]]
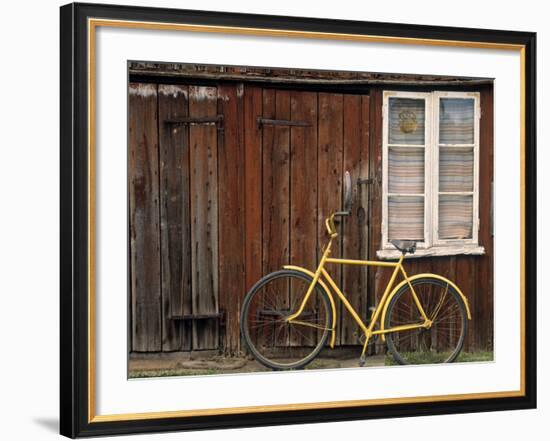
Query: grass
[[437, 357], [475, 356]]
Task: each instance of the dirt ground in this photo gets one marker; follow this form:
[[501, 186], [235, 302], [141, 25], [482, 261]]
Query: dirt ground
[[145, 365]]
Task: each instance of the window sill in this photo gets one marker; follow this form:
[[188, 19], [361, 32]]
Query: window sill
[[452, 250]]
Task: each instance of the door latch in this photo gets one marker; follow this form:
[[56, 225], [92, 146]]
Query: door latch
[[365, 181]]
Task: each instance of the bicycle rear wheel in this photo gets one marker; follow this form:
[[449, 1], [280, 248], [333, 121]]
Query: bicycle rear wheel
[[443, 341], [274, 341]]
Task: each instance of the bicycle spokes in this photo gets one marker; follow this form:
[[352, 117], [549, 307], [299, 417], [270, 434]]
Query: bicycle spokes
[[439, 341], [278, 342]]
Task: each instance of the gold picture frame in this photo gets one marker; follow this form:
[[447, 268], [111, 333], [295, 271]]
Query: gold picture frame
[[78, 66]]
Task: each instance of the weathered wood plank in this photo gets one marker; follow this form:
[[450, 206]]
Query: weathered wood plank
[[378, 277], [375, 173], [485, 279], [231, 180], [330, 154], [362, 212], [276, 179], [466, 279], [303, 199], [408, 312], [175, 225], [354, 230], [144, 218], [294, 76], [444, 267], [252, 108], [253, 184], [204, 215]]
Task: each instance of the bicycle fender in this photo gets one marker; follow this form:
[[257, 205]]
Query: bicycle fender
[[330, 297], [418, 276]]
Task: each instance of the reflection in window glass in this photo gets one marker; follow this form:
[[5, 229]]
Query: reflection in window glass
[[406, 121], [456, 121]]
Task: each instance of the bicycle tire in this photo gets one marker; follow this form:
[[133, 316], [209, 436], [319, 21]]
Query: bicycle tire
[[450, 333], [253, 342]]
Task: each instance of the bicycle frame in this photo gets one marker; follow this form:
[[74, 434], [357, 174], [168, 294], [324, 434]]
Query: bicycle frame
[[321, 275]]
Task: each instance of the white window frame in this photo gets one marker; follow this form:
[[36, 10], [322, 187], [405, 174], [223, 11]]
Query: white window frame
[[432, 245]]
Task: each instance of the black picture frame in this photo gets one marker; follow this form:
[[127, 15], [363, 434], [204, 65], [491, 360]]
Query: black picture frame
[[75, 414]]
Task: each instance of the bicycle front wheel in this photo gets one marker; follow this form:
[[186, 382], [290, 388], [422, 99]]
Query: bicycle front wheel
[[443, 341], [275, 342]]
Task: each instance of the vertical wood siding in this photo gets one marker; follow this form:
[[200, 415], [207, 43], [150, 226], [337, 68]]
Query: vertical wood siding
[[356, 147], [144, 218], [204, 215], [303, 194], [275, 191], [231, 216], [175, 225], [213, 207], [253, 154], [329, 182]]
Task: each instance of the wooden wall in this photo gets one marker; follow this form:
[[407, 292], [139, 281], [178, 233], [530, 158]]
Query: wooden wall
[[216, 205]]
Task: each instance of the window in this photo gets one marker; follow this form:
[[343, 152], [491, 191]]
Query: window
[[430, 168]]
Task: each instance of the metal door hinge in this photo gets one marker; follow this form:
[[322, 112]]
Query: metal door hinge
[[281, 122], [214, 120], [207, 316]]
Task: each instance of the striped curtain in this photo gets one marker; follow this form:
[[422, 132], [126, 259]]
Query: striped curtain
[[406, 168], [406, 217], [456, 168], [455, 217]]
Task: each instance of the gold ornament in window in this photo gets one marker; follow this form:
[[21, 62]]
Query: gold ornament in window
[[407, 121]]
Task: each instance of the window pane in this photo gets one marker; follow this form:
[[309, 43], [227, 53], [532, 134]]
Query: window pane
[[406, 170], [455, 217], [456, 121], [406, 121], [456, 169], [406, 217]]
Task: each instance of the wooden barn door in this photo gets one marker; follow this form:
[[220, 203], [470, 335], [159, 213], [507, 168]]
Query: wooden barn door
[[226, 184], [173, 180], [305, 141]]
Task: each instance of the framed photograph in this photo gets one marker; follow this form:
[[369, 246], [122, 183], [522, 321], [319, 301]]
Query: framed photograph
[[272, 220]]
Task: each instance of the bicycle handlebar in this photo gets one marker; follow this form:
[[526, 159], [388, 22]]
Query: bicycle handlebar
[[329, 222]]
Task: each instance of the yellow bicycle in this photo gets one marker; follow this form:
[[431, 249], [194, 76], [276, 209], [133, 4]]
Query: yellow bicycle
[[288, 315]]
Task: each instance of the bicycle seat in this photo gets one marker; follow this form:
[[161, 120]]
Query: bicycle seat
[[405, 246]]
